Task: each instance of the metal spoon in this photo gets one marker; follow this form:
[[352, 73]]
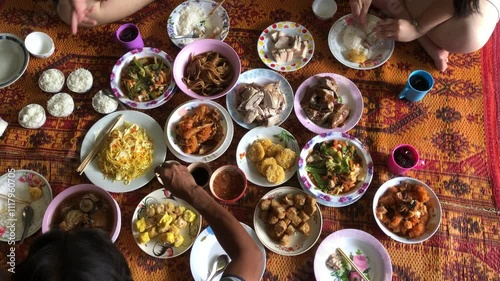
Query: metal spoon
[[194, 34], [219, 265], [27, 220]]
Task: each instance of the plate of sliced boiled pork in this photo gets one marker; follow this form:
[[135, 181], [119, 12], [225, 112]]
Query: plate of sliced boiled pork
[[261, 97], [285, 46], [328, 102]]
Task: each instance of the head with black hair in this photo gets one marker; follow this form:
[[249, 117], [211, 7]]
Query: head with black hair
[[464, 8], [81, 255]]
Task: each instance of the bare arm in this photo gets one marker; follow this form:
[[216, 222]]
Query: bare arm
[[113, 10], [410, 28], [246, 259], [88, 13]]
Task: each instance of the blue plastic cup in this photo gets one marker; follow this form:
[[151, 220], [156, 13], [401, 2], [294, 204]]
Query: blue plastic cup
[[419, 83]]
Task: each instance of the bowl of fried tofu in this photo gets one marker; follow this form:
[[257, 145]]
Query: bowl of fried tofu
[[288, 221]]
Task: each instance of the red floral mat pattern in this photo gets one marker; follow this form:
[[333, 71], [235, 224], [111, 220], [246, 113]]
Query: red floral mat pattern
[[456, 129]]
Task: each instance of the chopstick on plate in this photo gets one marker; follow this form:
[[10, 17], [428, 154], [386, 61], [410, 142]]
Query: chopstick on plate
[[15, 199], [215, 8], [353, 264], [98, 145]]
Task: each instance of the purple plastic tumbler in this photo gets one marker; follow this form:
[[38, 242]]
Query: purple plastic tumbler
[[129, 36]]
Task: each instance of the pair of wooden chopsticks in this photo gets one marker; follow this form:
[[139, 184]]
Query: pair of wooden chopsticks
[[215, 9], [15, 199], [352, 264], [98, 146]]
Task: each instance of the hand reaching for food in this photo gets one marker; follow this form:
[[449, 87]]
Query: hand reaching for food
[[81, 14], [359, 9], [397, 29]]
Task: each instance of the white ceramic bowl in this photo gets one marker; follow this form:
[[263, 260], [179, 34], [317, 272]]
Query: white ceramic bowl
[[39, 44], [343, 199], [219, 19], [185, 108], [433, 206], [299, 243], [200, 47], [124, 62]]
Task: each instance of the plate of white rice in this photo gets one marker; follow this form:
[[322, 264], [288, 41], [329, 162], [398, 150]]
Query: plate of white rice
[[192, 15], [345, 35]]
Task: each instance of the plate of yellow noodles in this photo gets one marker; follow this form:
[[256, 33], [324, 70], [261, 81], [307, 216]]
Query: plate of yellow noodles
[[126, 160]]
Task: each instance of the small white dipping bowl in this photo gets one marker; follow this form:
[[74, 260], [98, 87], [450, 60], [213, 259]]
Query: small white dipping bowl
[[39, 44]]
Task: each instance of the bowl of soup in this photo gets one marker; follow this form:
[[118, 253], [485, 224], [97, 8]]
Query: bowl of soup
[[83, 206], [228, 183]]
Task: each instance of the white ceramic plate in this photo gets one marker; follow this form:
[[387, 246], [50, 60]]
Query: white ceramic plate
[[277, 135], [377, 55], [299, 243], [206, 249], [14, 59], [435, 210], [125, 60], [154, 247], [264, 46], [185, 108], [262, 77], [351, 241], [143, 120], [340, 200], [219, 19], [18, 183]]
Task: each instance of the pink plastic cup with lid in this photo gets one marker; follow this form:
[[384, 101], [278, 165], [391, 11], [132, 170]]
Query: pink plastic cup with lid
[[129, 36], [403, 158]]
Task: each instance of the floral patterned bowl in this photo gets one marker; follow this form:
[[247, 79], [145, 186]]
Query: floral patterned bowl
[[124, 61], [18, 183], [343, 199]]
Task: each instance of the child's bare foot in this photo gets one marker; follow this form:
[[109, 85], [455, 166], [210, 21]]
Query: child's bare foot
[[439, 55], [441, 60]]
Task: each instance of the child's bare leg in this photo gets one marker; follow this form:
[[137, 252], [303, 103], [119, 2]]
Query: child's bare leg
[[438, 54], [398, 9]]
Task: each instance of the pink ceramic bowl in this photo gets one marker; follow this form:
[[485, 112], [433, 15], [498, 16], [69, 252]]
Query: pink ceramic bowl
[[115, 216], [199, 47], [228, 183]]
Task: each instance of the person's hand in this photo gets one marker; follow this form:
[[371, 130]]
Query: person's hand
[[177, 179], [359, 9], [81, 14], [397, 29]]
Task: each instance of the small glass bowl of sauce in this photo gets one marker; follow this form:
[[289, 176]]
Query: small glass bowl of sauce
[[228, 183]]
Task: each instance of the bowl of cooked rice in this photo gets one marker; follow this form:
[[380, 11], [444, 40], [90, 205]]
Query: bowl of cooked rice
[[207, 69], [142, 78], [336, 168]]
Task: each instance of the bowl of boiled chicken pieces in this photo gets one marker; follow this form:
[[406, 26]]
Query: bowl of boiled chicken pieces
[[328, 102]]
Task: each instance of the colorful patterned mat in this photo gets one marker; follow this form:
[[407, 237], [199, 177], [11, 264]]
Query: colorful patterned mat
[[456, 128]]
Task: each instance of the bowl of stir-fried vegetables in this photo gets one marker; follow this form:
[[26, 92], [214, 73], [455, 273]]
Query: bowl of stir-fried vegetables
[[142, 78], [336, 168]]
